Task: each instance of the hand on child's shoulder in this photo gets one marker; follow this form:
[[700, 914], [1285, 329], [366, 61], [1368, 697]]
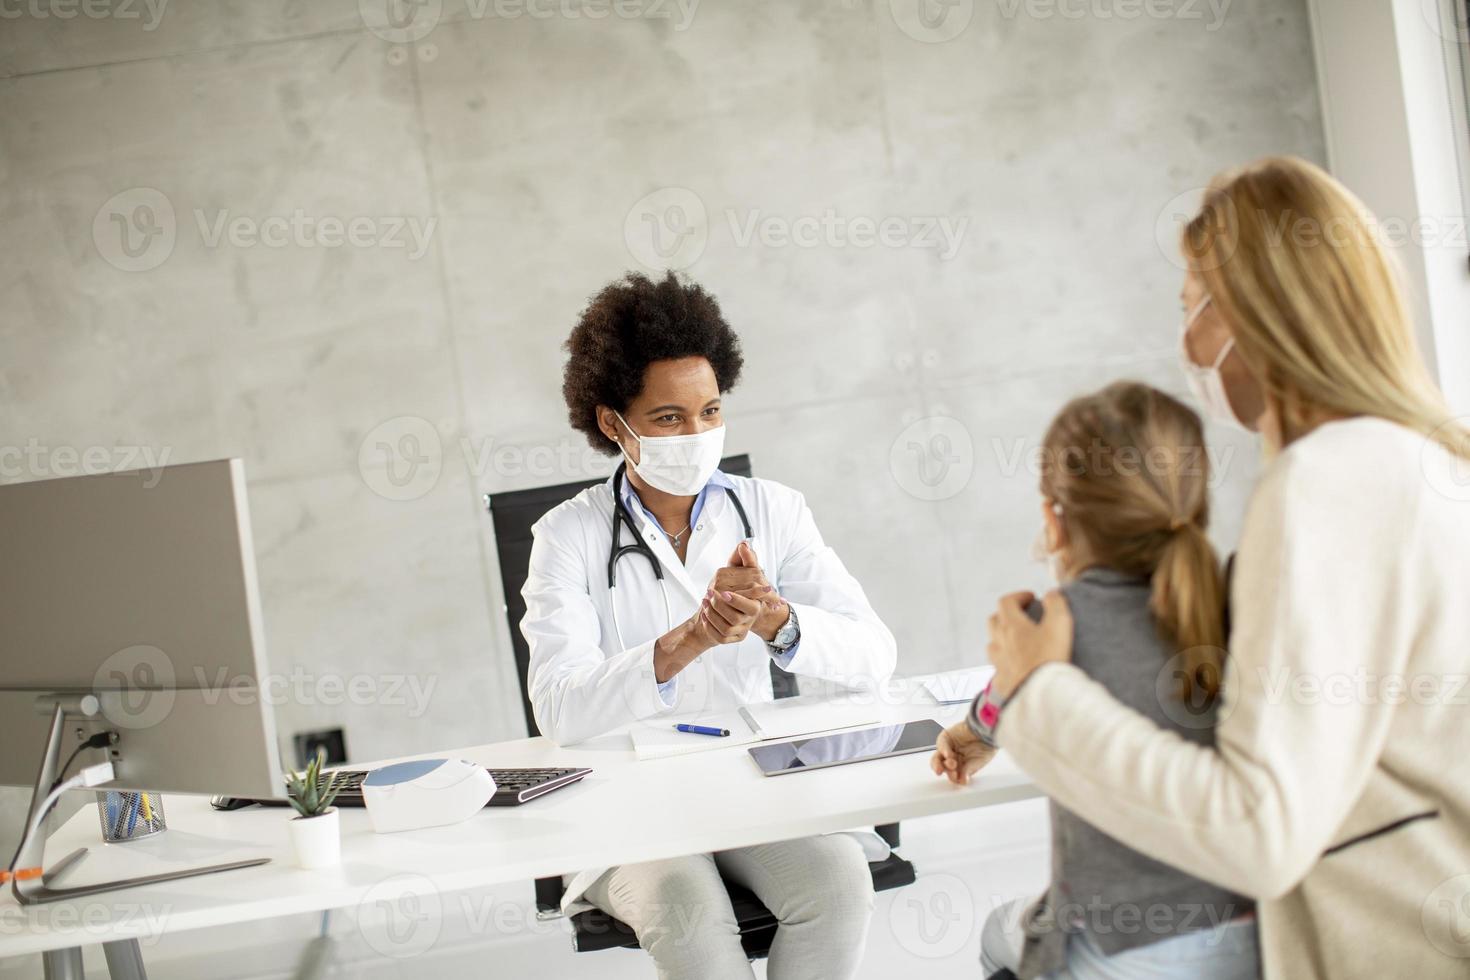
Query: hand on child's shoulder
[[1019, 643]]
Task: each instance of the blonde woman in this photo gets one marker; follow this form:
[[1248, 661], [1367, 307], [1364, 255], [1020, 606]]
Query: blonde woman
[[1337, 791], [1125, 504]]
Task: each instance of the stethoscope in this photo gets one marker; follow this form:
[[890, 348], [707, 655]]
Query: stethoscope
[[622, 517]]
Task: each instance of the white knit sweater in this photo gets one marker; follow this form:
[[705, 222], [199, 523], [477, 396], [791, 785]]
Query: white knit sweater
[[1338, 791]]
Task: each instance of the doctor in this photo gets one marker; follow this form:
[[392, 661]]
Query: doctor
[[710, 577]]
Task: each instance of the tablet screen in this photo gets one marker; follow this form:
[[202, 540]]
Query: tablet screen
[[840, 748]]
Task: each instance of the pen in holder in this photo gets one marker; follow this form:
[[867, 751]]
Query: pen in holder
[[130, 816]]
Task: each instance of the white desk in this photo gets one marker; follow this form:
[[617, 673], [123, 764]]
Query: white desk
[[625, 811]]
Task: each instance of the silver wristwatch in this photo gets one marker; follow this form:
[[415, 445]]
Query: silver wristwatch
[[788, 634]]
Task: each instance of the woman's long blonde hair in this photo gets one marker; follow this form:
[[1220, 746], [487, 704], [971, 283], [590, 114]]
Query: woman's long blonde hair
[[1295, 264], [1128, 468]]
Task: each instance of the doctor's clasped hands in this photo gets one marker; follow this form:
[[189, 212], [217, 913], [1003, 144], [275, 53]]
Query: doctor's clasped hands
[[738, 602]]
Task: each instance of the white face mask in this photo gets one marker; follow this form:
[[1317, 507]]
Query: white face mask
[[1205, 383], [680, 465]]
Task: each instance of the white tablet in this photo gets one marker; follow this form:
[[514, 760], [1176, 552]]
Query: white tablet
[[841, 748]]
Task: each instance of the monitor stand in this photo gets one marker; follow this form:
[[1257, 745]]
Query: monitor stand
[[35, 890]]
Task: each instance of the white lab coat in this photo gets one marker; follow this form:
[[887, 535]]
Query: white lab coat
[[583, 683]]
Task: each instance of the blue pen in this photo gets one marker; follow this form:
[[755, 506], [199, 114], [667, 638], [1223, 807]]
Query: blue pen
[[703, 730]]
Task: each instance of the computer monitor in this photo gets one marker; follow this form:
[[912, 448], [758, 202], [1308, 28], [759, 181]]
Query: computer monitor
[[138, 589]]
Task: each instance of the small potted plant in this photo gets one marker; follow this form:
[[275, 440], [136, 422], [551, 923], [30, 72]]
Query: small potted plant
[[315, 834]]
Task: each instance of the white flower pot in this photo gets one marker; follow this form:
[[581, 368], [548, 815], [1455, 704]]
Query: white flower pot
[[317, 840]]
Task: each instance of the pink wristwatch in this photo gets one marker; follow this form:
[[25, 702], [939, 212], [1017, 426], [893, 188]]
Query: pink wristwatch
[[984, 714]]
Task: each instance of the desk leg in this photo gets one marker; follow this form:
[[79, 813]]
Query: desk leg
[[62, 964], [124, 960]]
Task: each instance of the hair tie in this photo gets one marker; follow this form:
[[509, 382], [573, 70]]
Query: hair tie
[[1177, 523]]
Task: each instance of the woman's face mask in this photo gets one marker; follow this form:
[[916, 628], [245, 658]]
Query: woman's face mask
[[678, 465], [1205, 383]]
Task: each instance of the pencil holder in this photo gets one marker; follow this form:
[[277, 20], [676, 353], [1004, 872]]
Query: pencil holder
[[130, 816]]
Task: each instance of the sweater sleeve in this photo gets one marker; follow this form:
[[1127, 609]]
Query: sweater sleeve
[[1298, 735]]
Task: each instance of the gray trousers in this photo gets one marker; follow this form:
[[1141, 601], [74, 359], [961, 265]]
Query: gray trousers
[[818, 887]]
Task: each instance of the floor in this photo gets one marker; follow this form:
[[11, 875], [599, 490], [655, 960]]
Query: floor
[[967, 864]]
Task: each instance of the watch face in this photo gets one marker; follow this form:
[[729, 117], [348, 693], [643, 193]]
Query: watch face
[[786, 635]]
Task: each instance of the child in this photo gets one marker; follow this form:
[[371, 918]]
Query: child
[[1125, 503]]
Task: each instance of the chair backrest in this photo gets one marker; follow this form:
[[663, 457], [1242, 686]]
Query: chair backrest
[[513, 513]]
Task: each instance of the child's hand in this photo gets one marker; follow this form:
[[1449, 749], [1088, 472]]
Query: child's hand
[[959, 754]]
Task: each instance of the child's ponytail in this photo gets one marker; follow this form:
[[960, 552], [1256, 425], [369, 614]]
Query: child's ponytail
[[1187, 602]]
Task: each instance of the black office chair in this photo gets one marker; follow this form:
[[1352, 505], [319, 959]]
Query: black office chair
[[513, 513]]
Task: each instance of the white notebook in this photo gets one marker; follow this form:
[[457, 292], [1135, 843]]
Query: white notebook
[[790, 717], [657, 738], [958, 686]]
